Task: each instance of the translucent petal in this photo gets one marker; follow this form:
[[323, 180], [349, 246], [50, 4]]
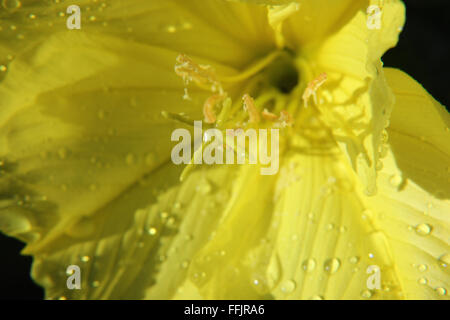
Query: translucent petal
[[419, 135], [324, 241], [355, 100], [145, 253], [413, 203]]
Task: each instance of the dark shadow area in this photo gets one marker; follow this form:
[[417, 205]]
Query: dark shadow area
[[424, 48], [15, 280]]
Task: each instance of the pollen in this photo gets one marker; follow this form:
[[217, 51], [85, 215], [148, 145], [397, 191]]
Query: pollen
[[313, 86], [202, 75], [249, 106], [208, 107]]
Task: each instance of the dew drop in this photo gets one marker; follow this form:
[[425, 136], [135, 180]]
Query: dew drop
[[11, 4], [444, 260], [395, 180], [85, 258], [171, 29], [332, 265], [422, 267], [95, 283], [366, 294], [309, 265], [288, 286], [423, 280], [164, 215], [423, 229], [204, 188], [354, 260], [3, 68], [342, 229], [441, 291], [185, 264], [152, 231]]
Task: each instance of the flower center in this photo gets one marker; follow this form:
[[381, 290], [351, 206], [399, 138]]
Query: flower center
[[282, 73]]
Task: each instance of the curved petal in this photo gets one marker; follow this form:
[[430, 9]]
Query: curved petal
[[419, 134], [143, 253], [324, 241], [356, 101], [78, 137], [417, 228], [413, 204]]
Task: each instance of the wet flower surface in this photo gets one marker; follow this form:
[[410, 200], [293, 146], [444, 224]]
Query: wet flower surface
[[86, 176]]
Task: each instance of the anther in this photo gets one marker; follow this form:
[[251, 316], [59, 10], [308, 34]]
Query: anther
[[313, 86], [202, 75], [208, 107], [249, 106], [269, 115]]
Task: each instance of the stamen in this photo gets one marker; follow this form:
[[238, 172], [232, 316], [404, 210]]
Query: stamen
[[269, 115], [313, 86], [202, 75], [249, 106], [208, 107]]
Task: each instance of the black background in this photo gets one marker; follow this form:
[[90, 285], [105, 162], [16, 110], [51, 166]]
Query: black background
[[423, 52]]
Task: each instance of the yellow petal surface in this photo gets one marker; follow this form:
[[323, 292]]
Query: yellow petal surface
[[356, 101], [80, 141]]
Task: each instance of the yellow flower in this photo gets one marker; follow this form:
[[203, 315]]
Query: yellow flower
[[86, 178]]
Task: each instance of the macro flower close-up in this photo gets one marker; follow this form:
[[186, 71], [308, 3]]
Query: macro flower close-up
[[120, 172]]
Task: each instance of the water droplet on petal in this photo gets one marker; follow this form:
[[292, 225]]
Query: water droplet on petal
[[367, 294], [288, 286], [11, 4], [309, 265], [354, 259], [395, 180], [423, 280], [85, 258], [441, 291], [332, 265], [422, 267], [152, 231], [423, 229], [444, 260]]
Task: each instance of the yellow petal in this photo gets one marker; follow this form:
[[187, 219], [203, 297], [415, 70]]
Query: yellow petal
[[144, 253], [223, 269], [356, 101], [419, 134], [413, 202], [77, 138], [417, 228], [324, 241]]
